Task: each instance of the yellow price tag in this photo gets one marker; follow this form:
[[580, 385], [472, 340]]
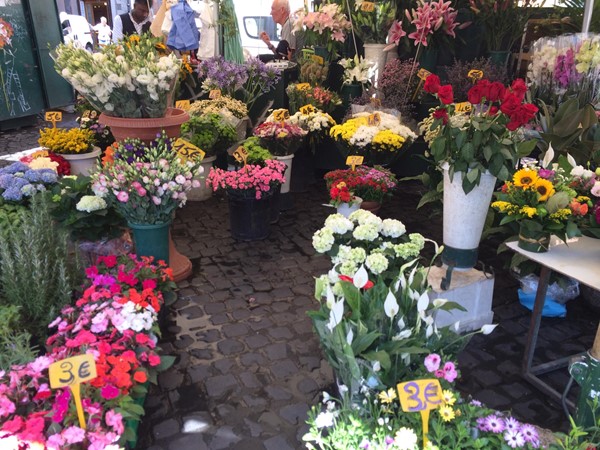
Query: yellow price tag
[[71, 372], [53, 116], [318, 59], [281, 114], [187, 150], [308, 109], [40, 154], [214, 94], [423, 74], [367, 7], [463, 107], [354, 160], [475, 74], [421, 396], [183, 104], [374, 119], [241, 154]]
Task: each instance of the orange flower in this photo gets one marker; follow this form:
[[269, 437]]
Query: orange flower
[[578, 209], [140, 376], [109, 155]]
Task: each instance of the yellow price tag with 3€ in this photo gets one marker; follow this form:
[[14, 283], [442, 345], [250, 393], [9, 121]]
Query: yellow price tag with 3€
[[421, 396], [241, 154]]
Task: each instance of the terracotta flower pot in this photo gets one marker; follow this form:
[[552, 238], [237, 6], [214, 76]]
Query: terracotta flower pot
[[146, 129], [371, 206]]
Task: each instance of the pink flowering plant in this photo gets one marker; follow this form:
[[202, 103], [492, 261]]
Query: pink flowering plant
[[102, 323], [279, 135], [375, 319], [251, 181], [146, 183], [327, 26]]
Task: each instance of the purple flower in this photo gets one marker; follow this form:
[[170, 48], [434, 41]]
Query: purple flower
[[546, 174], [565, 72], [494, 423], [432, 362], [512, 424], [389, 440], [475, 403], [530, 434], [514, 438], [482, 424], [14, 168]]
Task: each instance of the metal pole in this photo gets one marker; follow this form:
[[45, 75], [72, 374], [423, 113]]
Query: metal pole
[[587, 15]]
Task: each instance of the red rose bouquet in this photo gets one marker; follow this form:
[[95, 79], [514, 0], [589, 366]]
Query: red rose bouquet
[[479, 135]]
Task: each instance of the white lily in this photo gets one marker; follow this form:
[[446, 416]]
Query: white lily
[[350, 336], [487, 329], [390, 306], [336, 314], [548, 157], [423, 302]]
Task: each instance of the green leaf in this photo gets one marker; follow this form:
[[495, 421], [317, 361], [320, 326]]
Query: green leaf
[[473, 175], [477, 138], [504, 174], [364, 341], [166, 361], [487, 152], [525, 148], [558, 201], [381, 356], [467, 152], [430, 197], [460, 139], [572, 230]]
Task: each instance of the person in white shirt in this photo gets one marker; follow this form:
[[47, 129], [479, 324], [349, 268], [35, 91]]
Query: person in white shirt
[[104, 32], [137, 21]]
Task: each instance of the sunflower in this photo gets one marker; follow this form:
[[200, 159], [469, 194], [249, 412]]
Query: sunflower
[[544, 188], [525, 177]]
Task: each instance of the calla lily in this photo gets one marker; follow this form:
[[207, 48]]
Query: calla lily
[[548, 157], [457, 326], [401, 324], [487, 329], [330, 297], [361, 277], [390, 306], [423, 302], [569, 158], [439, 302], [429, 331], [336, 314], [350, 336]]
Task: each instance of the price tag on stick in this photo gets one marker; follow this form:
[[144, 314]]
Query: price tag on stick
[[183, 104], [241, 154], [475, 74], [318, 59], [187, 150], [214, 94], [421, 396], [367, 7], [354, 160], [463, 107], [71, 372], [53, 116]]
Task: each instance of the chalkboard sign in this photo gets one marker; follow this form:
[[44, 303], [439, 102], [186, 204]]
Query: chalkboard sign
[[21, 94]]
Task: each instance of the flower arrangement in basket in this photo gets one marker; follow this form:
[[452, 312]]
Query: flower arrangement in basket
[[279, 135], [371, 184], [482, 134], [301, 94], [327, 26], [225, 106], [64, 141], [541, 200], [251, 181], [209, 132], [377, 135], [146, 182], [134, 78]]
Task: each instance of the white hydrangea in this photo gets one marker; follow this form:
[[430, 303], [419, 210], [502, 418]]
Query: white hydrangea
[[338, 224], [368, 232], [323, 240], [377, 263], [392, 228], [358, 255], [90, 203], [364, 217], [348, 268]]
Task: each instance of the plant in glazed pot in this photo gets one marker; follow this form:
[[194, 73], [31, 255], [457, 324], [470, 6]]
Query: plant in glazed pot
[[541, 200], [371, 184], [249, 192], [131, 83], [74, 144], [474, 143], [343, 199], [377, 136], [146, 183]]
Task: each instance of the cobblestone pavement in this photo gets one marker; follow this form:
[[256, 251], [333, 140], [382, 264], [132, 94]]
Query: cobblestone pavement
[[248, 364]]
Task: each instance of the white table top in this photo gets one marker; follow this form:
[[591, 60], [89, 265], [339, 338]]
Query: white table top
[[580, 259]]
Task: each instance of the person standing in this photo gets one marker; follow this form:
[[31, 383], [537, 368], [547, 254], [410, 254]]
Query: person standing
[[104, 32], [290, 43], [137, 21]]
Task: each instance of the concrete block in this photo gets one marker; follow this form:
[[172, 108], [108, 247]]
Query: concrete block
[[470, 288]]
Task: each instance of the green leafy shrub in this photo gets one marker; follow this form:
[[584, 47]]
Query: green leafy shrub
[[38, 272], [14, 343], [209, 132]]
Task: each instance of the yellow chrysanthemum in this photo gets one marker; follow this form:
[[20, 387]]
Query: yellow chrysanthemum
[[560, 215], [528, 211], [525, 177], [387, 396], [544, 188], [501, 206], [583, 199], [303, 87], [448, 397], [447, 413]]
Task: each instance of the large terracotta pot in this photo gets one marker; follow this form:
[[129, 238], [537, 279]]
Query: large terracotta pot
[[146, 129]]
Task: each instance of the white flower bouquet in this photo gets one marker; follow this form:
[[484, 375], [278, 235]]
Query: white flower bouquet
[[132, 79], [357, 70]]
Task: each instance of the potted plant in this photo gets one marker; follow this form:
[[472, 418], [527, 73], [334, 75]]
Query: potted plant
[[73, 144], [131, 83], [19, 183], [356, 77], [371, 184], [343, 199], [44, 159], [249, 191], [232, 111], [324, 29], [146, 183], [377, 136], [474, 144], [301, 94]]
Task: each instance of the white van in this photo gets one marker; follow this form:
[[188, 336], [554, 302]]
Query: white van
[[77, 29], [255, 17]]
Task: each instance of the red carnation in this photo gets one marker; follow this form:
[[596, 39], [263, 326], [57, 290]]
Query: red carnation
[[432, 84]]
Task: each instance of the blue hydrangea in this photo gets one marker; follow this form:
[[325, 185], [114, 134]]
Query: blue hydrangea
[[13, 194], [6, 180], [40, 187], [28, 190], [18, 182], [33, 176], [15, 167], [48, 175]]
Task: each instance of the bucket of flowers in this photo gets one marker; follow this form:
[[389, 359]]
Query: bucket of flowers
[[146, 183], [343, 199], [541, 199], [377, 136], [249, 192], [76, 145], [371, 184], [301, 94]]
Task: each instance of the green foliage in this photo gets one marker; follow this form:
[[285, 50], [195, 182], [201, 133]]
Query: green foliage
[[38, 272], [10, 215], [14, 343], [209, 132]]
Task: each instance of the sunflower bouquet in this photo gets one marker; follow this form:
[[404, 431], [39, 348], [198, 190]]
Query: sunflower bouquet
[[542, 201], [378, 136]]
